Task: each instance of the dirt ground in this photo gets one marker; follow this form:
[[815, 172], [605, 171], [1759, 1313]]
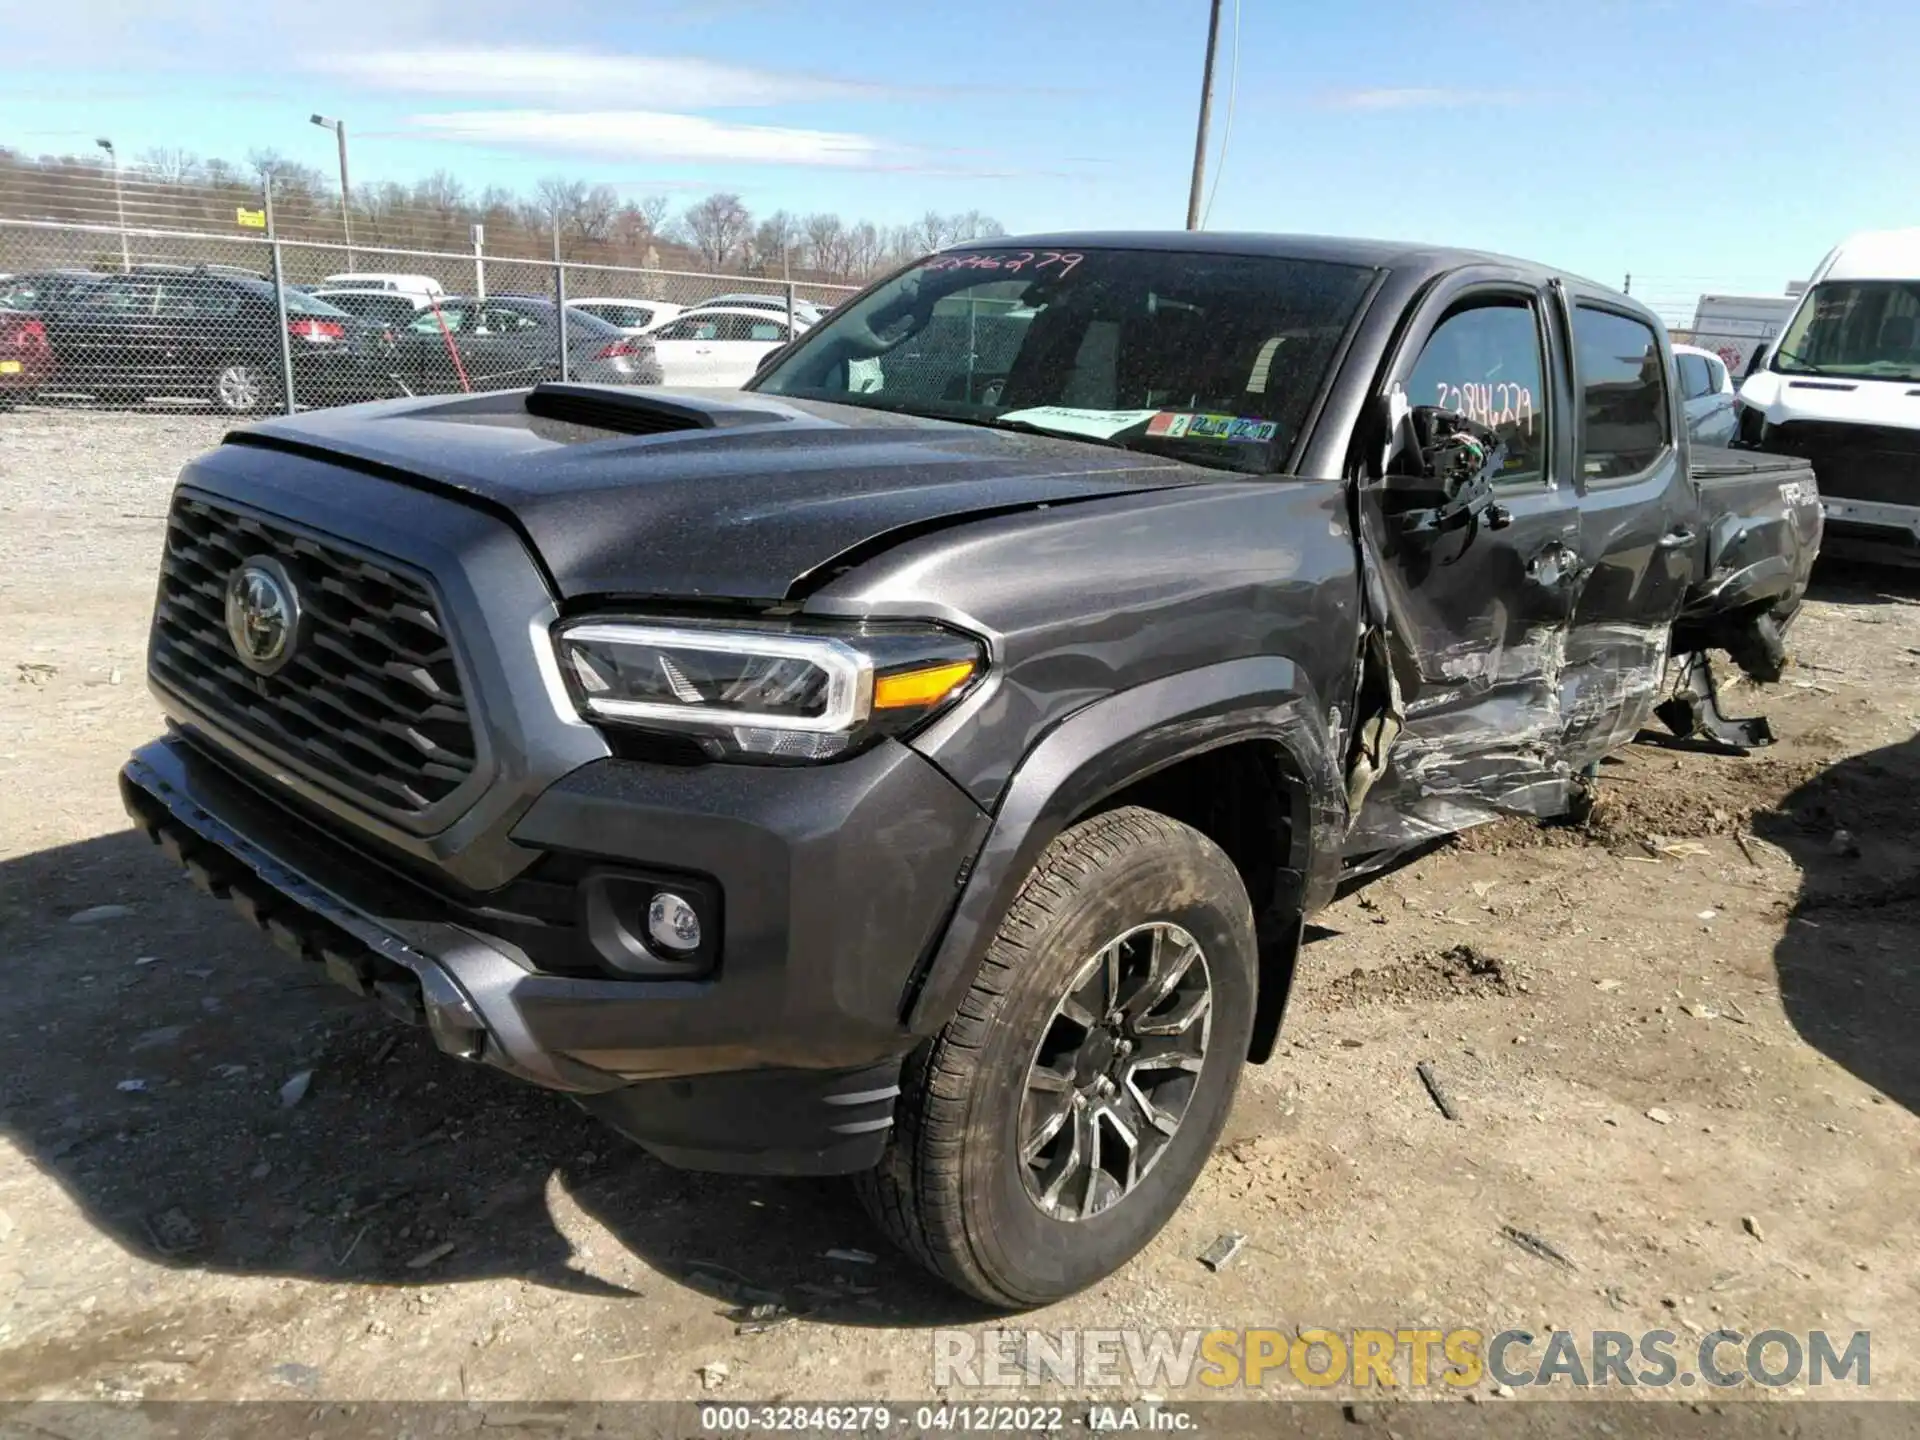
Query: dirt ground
[[1679, 1041]]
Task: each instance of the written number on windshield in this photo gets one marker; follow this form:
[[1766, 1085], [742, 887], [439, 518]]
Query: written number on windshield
[[1064, 261]]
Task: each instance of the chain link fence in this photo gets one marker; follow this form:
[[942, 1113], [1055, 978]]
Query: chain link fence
[[134, 307]]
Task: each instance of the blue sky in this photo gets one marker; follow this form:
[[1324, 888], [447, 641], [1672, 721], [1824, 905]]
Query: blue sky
[[1724, 143]]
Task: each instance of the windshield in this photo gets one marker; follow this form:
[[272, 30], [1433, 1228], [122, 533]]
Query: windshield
[[1213, 359], [1868, 329]]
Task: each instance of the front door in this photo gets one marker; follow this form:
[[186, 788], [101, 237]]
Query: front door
[[1475, 622]]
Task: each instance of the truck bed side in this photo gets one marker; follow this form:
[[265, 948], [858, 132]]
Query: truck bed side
[[1760, 527]]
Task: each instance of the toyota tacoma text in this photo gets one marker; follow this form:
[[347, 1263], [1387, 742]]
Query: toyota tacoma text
[[920, 764]]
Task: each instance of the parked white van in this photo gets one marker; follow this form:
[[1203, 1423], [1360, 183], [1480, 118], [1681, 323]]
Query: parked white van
[[423, 290], [1842, 388]]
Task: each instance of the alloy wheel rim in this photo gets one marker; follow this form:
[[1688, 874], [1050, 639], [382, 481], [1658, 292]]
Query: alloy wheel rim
[[238, 387], [1114, 1071]]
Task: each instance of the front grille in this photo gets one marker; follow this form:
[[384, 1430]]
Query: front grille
[[370, 703], [1855, 462]]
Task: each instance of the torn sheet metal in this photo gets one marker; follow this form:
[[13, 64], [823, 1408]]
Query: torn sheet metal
[[1505, 687]]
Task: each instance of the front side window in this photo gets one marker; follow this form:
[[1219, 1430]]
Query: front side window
[[125, 297], [433, 322], [1214, 359], [688, 330], [1625, 424], [1868, 329], [630, 316], [1484, 362], [502, 320]]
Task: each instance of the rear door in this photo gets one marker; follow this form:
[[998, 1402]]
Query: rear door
[[1475, 622], [685, 348], [506, 346], [743, 340], [110, 341], [427, 355], [1638, 520]]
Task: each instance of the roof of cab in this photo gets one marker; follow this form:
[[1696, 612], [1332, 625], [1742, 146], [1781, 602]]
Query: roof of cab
[[1375, 254]]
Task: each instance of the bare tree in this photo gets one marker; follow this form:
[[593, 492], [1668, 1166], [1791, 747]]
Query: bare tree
[[866, 249], [593, 218], [718, 227], [171, 165], [442, 196], [974, 226], [826, 236], [775, 240]]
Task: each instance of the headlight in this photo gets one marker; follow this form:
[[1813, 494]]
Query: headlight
[[767, 691]]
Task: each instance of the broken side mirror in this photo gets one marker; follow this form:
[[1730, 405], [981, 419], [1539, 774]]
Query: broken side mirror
[[1440, 472]]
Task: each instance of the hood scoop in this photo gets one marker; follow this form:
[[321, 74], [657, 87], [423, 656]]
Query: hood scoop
[[638, 412], [1818, 385]]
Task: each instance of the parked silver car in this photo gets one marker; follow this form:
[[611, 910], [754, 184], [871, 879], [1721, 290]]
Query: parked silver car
[[1707, 393]]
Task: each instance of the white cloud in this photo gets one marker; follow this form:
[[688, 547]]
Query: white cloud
[[1417, 98], [581, 78], [654, 135]]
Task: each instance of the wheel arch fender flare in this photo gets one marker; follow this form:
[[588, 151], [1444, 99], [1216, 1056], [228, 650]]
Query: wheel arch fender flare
[[1103, 748]]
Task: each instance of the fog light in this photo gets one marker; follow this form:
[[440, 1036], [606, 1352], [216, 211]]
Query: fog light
[[673, 924]]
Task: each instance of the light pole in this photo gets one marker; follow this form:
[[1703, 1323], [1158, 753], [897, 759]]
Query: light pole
[[1206, 105], [119, 203], [339, 128]]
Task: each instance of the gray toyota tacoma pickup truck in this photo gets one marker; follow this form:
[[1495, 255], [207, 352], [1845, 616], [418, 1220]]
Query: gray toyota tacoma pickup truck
[[919, 765]]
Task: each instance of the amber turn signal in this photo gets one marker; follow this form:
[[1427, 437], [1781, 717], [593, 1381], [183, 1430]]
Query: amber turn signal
[[914, 688]]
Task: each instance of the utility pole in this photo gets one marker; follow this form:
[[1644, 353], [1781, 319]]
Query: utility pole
[[1206, 107], [339, 128], [119, 203]]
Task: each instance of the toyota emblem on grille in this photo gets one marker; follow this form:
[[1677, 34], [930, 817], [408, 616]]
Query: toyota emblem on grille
[[263, 614]]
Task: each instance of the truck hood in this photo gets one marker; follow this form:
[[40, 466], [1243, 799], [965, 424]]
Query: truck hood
[[735, 495], [1841, 399]]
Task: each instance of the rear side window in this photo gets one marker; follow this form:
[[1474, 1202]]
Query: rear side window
[[1483, 362], [1716, 376], [1624, 411], [1696, 380]]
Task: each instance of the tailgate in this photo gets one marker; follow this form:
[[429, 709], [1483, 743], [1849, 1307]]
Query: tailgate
[[1761, 517]]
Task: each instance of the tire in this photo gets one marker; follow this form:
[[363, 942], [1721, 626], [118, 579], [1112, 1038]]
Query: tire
[[240, 387], [952, 1189]]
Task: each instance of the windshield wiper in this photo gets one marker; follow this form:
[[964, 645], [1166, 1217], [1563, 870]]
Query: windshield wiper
[[1807, 367]]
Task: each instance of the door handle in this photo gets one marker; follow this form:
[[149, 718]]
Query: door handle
[[1676, 538]]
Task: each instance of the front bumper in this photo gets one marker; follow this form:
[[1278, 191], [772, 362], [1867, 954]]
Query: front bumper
[[785, 1059], [1871, 530]]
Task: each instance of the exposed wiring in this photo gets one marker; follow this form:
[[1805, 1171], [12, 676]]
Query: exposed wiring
[[1226, 129]]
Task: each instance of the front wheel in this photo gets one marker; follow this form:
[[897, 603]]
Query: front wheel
[[1049, 1131]]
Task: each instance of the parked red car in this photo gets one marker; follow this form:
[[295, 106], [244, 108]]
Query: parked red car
[[26, 360]]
